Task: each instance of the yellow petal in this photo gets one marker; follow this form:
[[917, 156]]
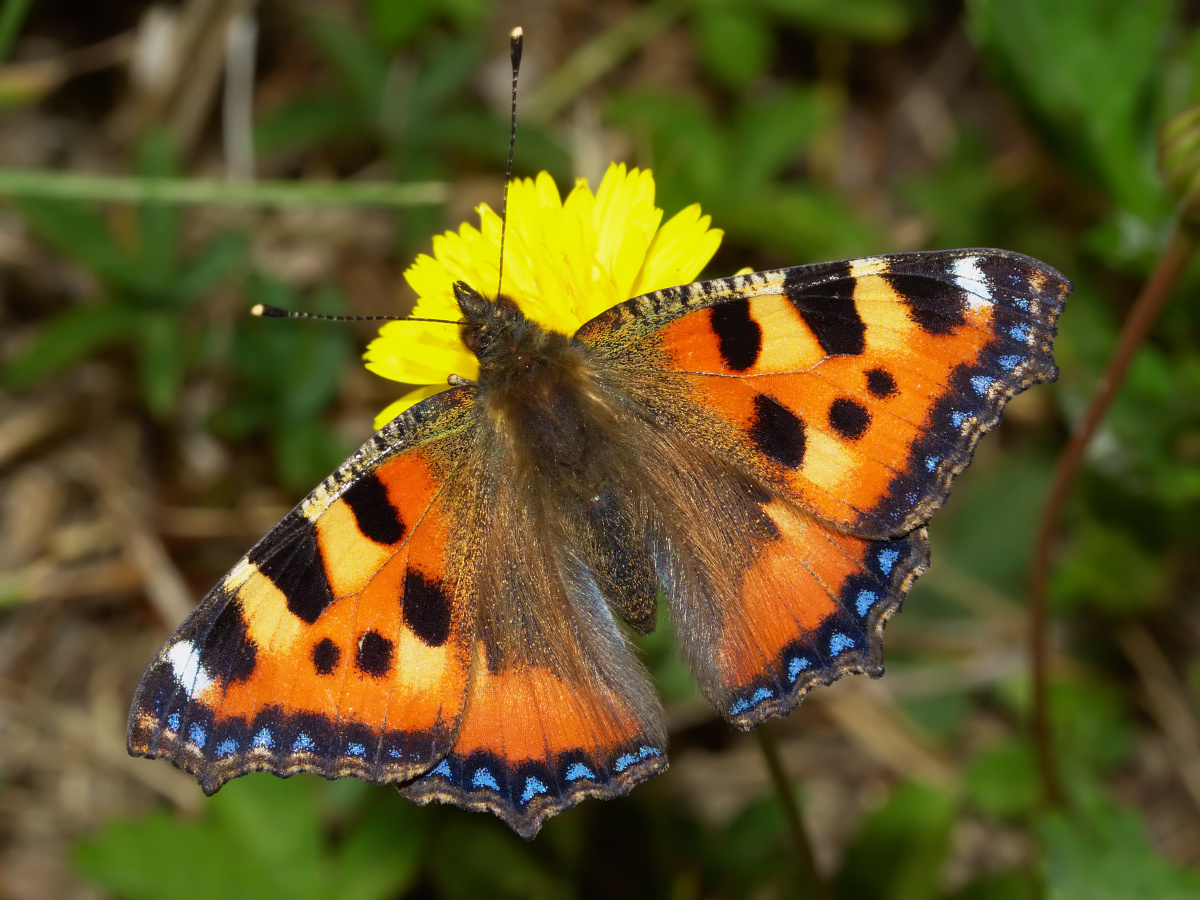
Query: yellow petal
[[679, 252]]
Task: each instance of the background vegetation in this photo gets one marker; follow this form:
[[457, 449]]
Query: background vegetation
[[150, 431]]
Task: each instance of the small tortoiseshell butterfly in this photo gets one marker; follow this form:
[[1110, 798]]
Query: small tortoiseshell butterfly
[[761, 452]]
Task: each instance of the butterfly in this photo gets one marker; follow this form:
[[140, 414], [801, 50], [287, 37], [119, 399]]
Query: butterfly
[[448, 611]]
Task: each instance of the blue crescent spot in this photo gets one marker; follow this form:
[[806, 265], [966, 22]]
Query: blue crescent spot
[[958, 418], [1019, 304], [748, 702], [1019, 332], [796, 666], [173, 721], [263, 740], [624, 762], [1008, 363], [981, 383], [303, 742], [228, 748], [356, 750], [443, 769], [864, 601], [931, 463], [393, 753], [838, 643], [887, 559], [533, 787], [579, 770], [196, 734], [484, 778]]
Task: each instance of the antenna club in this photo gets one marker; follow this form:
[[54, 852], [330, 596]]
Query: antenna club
[[270, 312], [516, 43]]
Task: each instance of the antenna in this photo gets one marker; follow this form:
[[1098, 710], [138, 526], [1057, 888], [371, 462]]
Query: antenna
[[516, 43], [265, 311]]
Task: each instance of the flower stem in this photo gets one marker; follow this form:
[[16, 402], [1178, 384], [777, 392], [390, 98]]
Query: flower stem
[[1137, 325], [815, 886]]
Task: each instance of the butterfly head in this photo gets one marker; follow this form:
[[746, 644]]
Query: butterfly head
[[500, 335]]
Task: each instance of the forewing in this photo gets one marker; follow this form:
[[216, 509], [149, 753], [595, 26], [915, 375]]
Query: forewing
[[857, 388], [341, 643]]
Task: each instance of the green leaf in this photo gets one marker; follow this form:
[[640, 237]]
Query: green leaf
[[872, 20], [1106, 568], [82, 235], [499, 865], [259, 837], [734, 43], [305, 123], [899, 851], [774, 133], [361, 67], [1101, 853], [69, 338], [1086, 72], [162, 360], [395, 23], [215, 262], [1002, 780]]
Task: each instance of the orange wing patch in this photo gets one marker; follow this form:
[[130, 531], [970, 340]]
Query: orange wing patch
[[339, 645], [859, 389], [812, 607], [532, 744]]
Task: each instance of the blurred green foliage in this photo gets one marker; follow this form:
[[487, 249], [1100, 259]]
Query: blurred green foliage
[[750, 140]]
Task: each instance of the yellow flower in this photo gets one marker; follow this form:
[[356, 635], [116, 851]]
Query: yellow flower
[[564, 263]]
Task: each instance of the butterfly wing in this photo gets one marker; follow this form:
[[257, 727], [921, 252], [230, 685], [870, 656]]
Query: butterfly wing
[[414, 620], [342, 642], [851, 393], [559, 708]]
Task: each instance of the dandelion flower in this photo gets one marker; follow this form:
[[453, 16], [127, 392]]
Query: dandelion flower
[[565, 261]]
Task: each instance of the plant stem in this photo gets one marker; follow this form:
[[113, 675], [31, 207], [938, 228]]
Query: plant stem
[[816, 888], [111, 189], [1137, 325]]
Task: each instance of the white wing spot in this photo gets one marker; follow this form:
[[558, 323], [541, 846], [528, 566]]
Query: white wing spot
[[971, 279], [185, 660]]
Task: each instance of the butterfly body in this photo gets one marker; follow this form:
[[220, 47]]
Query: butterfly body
[[760, 452]]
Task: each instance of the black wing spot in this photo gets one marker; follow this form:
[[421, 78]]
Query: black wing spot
[[828, 309], [849, 418], [739, 337], [377, 518], [374, 654], [426, 608], [778, 432], [881, 383], [292, 561], [937, 306], [228, 650], [325, 656]]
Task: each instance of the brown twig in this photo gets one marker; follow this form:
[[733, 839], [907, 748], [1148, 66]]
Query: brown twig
[[1145, 312], [814, 886]]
